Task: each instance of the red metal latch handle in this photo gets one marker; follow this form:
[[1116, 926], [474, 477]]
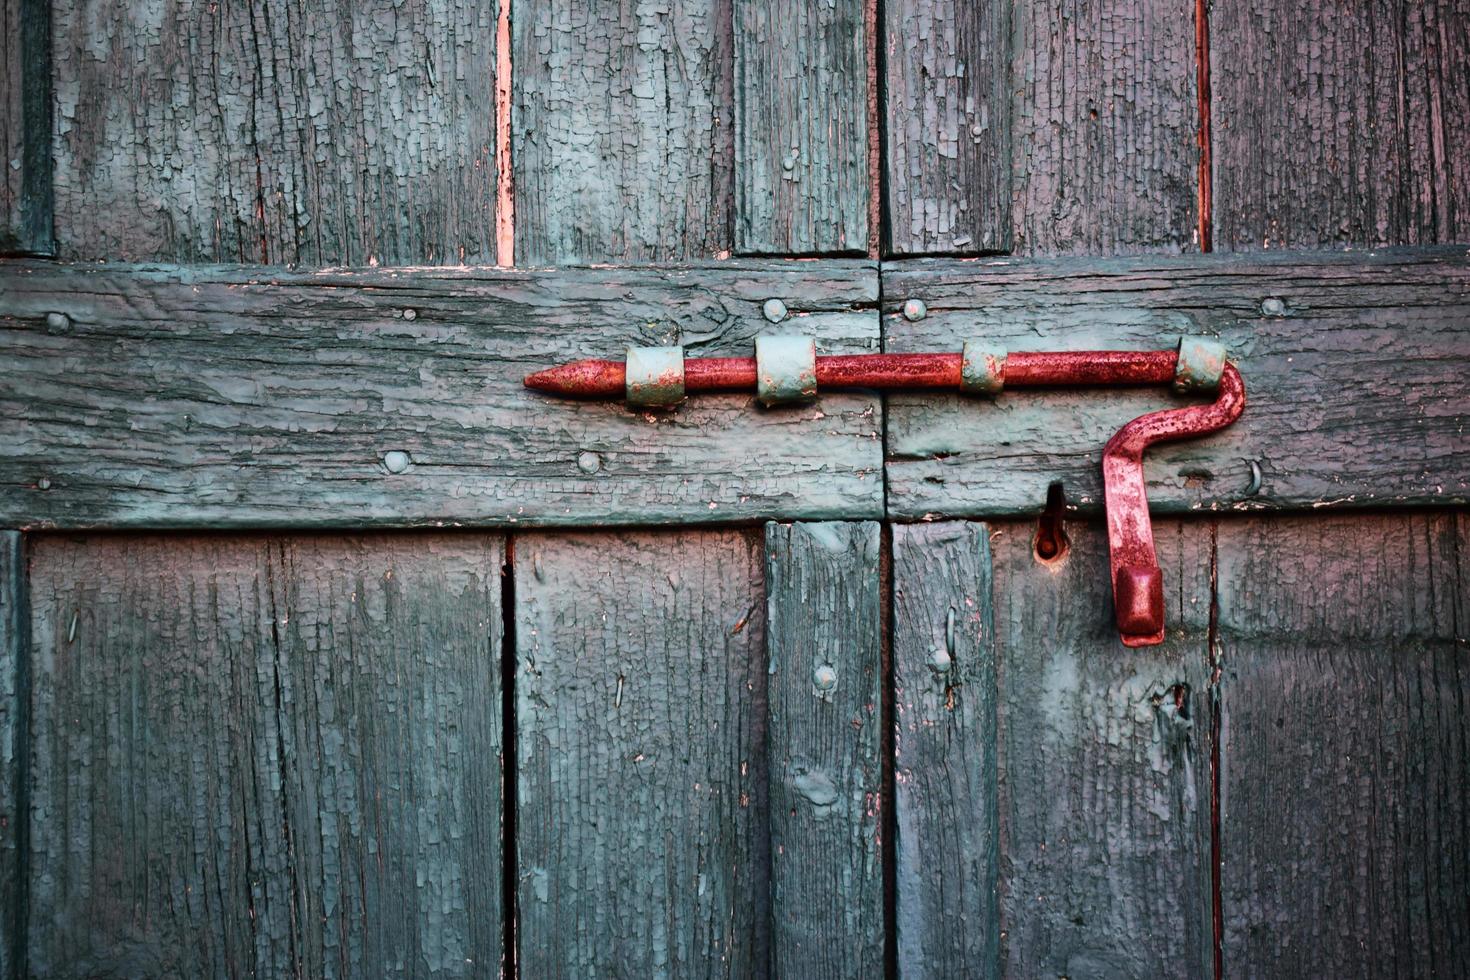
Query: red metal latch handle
[[788, 369]]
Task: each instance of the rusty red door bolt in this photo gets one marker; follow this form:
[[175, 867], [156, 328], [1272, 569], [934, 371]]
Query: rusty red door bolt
[[661, 377]]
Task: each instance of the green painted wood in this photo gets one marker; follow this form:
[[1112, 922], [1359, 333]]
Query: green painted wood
[[1056, 127], [640, 688], [801, 127], [947, 795], [1354, 368], [947, 122], [1345, 769], [1351, 128], [825, 733], [25, 127], [261, 756], [14, 684], [623, 143], [1105, 763], [328, 133], [230, 397]]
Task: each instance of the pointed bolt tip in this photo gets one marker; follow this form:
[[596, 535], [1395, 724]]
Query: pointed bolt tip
[[586, 379]]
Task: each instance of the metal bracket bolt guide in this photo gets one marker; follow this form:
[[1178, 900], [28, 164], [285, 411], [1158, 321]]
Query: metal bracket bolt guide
[[786, 369]]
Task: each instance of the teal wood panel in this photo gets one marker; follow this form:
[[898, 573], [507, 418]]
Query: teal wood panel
[[14, 675], [1063, 127], [1351, 127], [326, 133], [1105, 763], [622, 140], [264, 756], [640, 689], [1354, 368], [946, 753], [1345, 745], [825, 735], [801, 127], [216, 397], [25, 127]]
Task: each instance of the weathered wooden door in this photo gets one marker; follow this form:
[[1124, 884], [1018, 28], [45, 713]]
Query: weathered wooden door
[[327, 649]]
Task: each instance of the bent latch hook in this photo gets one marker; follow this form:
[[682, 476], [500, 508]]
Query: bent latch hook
[[1138, 584]]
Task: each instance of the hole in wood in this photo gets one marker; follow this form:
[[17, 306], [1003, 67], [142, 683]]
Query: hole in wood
[[1051, 543]]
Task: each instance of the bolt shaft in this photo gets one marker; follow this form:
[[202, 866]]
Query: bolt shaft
[[605, 379]]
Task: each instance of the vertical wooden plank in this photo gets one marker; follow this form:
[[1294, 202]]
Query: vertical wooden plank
[[801, 127], [948, 126], [945, 776], [1041, 127], [623, 143], [1350, 128], [325, 133], [25, 127], [1105, 768], [14, 668], [1104, 144], [1345, 747], [255, 756], [641, 711], [825, 731]]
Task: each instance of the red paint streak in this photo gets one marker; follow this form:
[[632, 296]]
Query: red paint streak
[[1206, 174], [505, 202], [875, 141], [1027, 369], [1138, 593]]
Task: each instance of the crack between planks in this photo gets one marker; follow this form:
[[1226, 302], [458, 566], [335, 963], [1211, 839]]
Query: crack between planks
[[1202, 79], [888, 744], [505, 210], [509, 769], [1217, 913]]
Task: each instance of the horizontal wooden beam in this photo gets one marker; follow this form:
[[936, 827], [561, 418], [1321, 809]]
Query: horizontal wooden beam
[[1355, 367], [138, 396]]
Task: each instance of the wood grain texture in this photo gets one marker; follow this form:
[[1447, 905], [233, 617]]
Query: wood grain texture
[[1043, 128], [1340, 125], [1345, 846], [25, 127], [948, 114], [12, 124], [225, 397], [255, 756], [946, 752], [1355, 386], [825, 749], [1105, 763], [641, 746], [1104, 145], [623, 131], [327, 133], [14, 687], [801, 127]]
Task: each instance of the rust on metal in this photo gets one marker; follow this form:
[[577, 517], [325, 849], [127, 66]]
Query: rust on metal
[[1138, 593], [1021, 369]]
